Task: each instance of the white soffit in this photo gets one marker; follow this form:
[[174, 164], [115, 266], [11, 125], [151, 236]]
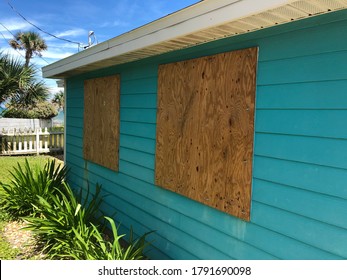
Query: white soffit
[[202, 22]]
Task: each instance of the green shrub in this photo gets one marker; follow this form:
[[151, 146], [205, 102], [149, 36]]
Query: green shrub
[[56, 129], [41, 110], [61, 215], [71, 230], [67, 225], [44, 110], [20, 196], [95, 245]]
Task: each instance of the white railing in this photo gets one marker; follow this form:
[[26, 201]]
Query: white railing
[[29, 141]]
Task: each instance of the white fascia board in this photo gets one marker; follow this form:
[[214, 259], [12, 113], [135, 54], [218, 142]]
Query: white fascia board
[[203, 15]]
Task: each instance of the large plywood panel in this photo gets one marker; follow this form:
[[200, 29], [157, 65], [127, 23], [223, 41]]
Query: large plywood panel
[[101, 121], [205, 129]]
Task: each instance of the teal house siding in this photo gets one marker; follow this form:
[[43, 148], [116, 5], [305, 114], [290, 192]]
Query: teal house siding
[[299, 188]]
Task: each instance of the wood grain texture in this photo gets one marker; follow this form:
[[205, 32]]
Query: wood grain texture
[[205, 129], [101, 121]]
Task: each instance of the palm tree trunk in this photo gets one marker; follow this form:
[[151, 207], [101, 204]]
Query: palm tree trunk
[[28, 56], [27, 60]]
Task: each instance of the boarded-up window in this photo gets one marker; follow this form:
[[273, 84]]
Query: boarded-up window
[[101, 121], [205, 129]]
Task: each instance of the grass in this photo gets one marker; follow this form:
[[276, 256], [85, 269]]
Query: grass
[[6, 251], [6, 164]]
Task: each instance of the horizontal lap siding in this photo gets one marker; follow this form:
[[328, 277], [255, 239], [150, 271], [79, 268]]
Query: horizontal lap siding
[[299, 196], [300, 168], [74, 125]]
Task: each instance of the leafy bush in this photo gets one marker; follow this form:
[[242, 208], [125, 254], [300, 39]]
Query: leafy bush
[[20, 196], [68, 226], [61, 215], [56, 129], [44, 110], [41, 110], [97, 247], [71, 230]]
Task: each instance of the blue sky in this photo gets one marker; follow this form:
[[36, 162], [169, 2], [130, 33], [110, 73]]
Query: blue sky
[[73, 19]]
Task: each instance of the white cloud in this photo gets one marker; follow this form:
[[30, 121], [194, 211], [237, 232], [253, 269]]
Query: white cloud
[[8, 28], [72, 33], [56, 54], [51, 55], [64, 48], [60, 45], [48, 57], [38, 62], [13, 53], [6, 35], [13, 24], [116, 23]]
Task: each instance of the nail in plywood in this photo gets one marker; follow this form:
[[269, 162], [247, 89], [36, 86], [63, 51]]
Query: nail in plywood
[[101, 121], [205, 129]]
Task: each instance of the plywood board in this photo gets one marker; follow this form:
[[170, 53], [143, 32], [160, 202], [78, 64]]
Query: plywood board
[[101, 121], [205, 129]]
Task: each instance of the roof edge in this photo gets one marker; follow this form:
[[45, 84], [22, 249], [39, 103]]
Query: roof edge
[[197, 17]]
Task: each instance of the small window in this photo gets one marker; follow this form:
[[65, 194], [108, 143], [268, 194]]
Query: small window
[[205, 129], [101, 121]]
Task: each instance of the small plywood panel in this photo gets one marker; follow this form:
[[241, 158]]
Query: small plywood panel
[[205, 129], [101, 121]]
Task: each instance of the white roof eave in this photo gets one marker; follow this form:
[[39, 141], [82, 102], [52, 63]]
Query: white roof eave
[[202, 16]]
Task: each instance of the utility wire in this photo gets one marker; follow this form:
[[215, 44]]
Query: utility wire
[[3, 36], [50, 34], [8, 30]]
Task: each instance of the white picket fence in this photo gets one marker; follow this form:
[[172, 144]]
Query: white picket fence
[[30, 141]]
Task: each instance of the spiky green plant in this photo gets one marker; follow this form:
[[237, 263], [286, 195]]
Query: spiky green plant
[[18, 83], [20, 196], [95, 245], [70, 229], [61, 215]]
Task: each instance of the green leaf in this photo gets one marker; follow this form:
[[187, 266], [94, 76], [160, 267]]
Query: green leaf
[[77, 209]]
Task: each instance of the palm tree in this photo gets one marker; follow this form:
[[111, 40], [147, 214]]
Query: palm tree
[[13, 76], [28, 96], [29, 41], [18, 83], [58, 100]]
